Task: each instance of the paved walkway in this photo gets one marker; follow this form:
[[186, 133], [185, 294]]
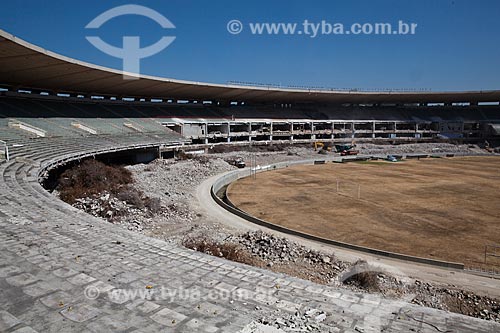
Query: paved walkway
[[62, 270]]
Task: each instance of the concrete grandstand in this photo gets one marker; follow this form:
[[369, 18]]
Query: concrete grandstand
[[50, 95], [55, 110]]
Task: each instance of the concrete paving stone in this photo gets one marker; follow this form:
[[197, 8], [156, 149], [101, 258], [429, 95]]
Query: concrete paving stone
[[9, 270], [244, 295], [117, 322], [298, 285], [332, 293], [209, 309], [7, 321], [143, 306], [350, 298], [370, 300], [361, 309], [125, 278], [315, 289], [251, 279], [267, 283], [288, 306], [198, 325], [22, 279], [64, 272], [100, 286], [40, 288], [266, 299], [50, 265], [57, 300], [37, 259], [236, 276], [25, 330], [226, 287], [80, 313], [168, 317], [80, 279]]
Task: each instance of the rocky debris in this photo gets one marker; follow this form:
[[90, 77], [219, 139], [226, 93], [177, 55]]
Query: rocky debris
[[456, 300], [109, 207], [174, 181], [280, 252], [255, 327], [416, 148], [309, 320]]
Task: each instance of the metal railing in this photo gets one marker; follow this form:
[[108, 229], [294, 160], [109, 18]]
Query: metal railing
[[6, 150]]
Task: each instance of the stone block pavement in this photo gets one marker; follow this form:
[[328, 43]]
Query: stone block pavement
[[62, 270]]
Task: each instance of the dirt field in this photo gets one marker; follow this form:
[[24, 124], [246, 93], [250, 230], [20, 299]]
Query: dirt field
[[445, 209]]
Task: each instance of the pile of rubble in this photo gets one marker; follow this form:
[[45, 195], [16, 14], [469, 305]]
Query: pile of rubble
[[457, 300], [416, 148], [109, 207], [308, 321], [174, 181], [278, 253]]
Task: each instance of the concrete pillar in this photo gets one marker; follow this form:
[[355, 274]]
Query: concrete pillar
[[271, 131], [373, 130]]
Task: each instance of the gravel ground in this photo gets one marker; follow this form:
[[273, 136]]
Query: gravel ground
[[174, 183]]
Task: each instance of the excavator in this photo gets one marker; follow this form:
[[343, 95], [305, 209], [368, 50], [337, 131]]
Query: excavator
[[318, 145], [347, 149]]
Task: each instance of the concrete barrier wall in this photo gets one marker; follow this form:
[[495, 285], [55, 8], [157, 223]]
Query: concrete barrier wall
[[228, 178]]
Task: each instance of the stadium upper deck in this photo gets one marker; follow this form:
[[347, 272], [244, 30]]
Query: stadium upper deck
[[24, 65]]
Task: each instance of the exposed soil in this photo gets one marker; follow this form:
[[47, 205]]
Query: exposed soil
[[445, 209]]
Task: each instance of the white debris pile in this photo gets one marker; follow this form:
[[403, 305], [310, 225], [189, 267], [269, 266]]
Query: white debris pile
[[174, 181], [281, 251], [309, 320], [419, 148]]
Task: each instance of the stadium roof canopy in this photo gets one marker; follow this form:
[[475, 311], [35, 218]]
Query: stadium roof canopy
[[26, 66]]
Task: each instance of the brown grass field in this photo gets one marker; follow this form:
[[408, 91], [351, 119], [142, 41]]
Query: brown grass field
[[444, 209]]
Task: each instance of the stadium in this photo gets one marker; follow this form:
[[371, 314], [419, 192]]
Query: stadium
[[56, 112]]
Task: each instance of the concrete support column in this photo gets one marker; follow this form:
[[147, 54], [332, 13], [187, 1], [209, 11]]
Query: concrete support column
[[373, 130], [271, 131], [228, 132]]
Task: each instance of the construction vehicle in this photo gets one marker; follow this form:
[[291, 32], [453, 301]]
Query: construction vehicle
[[341, 148], [391, 158], [237, 162], [322, 146], [349, 152]]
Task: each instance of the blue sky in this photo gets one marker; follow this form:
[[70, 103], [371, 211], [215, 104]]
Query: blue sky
[[456, 45]]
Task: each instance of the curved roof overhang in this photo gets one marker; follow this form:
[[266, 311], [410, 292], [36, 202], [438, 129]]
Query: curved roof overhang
[[24, 65]]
